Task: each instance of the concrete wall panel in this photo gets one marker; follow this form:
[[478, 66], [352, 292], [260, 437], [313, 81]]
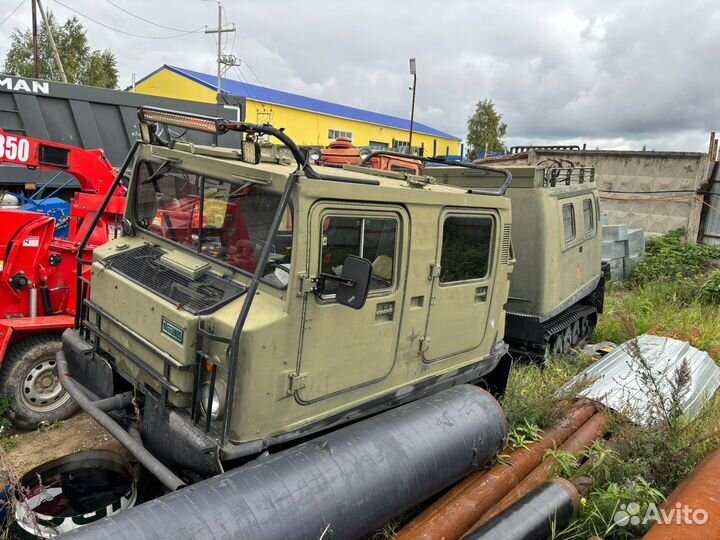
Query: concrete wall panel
[[647, 173]]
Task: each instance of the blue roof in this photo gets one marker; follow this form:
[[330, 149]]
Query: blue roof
[[277, 97]]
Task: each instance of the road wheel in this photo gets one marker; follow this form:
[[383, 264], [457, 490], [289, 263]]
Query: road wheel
[[28, 381], [557, 346], [567, 340], [576, 333], [585, 328]]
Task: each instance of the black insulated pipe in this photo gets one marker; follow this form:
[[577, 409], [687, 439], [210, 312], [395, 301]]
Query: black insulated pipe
[[78, 393], [338, 486], [543, 512]]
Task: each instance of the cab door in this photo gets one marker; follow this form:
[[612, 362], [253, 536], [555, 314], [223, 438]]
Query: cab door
[[461, 284], [343, 348]]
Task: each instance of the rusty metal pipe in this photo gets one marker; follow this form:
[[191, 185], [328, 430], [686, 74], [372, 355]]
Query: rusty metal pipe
[[583, 438], [697, 493], [452, 515]]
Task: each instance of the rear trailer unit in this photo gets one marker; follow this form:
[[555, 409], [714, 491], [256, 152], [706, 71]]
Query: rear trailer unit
[[557, 287]]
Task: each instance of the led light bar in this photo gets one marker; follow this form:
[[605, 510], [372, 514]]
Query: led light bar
[[197, 122]]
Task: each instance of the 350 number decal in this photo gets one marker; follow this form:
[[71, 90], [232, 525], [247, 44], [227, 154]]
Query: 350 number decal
[[14, 148]]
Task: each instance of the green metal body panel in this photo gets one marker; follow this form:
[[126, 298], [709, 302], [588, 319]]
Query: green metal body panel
[[303, 359], [550, 273]]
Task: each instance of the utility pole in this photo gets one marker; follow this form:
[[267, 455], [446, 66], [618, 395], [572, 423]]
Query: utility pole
[[52, 41], [220, 58], [413, 72], [36, 60]]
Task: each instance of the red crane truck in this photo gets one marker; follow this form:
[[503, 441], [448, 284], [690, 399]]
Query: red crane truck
[[38, 275]]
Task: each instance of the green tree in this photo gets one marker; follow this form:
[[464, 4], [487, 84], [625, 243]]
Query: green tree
[[82, 64], [485, 129]]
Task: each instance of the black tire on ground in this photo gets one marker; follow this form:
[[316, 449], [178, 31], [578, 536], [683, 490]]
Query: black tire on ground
[[28, 381]]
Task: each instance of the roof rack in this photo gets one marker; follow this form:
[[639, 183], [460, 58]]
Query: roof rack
[[523, 149], [500, 192]]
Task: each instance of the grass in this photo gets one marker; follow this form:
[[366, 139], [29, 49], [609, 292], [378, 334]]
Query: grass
[[674, 309], [531, 397], [674, 292], [6, 443]]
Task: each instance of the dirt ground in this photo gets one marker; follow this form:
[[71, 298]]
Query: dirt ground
[[76, 434]]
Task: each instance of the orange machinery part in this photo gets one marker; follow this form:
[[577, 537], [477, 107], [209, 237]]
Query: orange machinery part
[[699, 492], [593, 429], [453, 514]]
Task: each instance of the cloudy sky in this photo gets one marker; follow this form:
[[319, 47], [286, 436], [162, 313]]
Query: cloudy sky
[[613, 74]]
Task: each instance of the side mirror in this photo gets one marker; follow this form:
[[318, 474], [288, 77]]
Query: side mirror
[[353, 291], [351, 288]]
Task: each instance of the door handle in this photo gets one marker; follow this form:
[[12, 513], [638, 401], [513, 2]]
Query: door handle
[[481, 294], [384, 311]]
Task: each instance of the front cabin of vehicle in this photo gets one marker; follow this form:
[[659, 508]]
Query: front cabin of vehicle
[[167, 296]]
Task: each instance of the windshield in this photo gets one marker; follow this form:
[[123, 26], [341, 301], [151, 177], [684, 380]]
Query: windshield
[[226, 221]]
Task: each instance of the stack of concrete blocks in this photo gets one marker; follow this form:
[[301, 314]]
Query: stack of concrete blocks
[[622, 248]]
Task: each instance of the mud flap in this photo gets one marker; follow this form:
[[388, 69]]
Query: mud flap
[[496, 381], [172, 438]]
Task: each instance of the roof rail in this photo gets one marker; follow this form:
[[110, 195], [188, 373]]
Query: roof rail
[[500, 192], [563, 171], [523, 149]]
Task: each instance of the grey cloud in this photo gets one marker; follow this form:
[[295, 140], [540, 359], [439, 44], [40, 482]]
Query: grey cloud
[[616, 73]]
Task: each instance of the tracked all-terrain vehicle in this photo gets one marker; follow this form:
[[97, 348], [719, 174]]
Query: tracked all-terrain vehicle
[[251, 302]]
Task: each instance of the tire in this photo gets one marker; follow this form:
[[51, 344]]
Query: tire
[[28, 381]]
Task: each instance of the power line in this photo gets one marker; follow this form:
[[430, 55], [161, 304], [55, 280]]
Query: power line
[[12, 12], [242, 80], [123, 31], [147, 20], [258, 80]]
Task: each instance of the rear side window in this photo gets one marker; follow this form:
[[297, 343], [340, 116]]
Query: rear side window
[[589, 216], [568, 222], [466, 248]]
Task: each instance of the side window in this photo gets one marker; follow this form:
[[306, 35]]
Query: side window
[[465, 248], [374, 239], [568, 222], [589, 217]]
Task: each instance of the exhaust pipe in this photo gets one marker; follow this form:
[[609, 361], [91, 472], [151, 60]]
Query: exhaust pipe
[[96, 409], [340, 486]]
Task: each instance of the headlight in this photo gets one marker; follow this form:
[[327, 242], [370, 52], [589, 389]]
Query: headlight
[[315, 154], [365, 152], [218, 397]]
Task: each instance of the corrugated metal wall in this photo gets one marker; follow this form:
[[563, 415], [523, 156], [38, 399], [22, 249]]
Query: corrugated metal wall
[[86, 117], [711, 216]]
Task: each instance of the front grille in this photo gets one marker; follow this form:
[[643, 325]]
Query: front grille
[[203, 294]]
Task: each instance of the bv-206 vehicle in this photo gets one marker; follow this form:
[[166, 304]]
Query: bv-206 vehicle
[[251, 302], [557, 287]]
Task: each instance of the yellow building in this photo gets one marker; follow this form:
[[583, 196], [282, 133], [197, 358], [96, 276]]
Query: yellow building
[[308, 121]]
